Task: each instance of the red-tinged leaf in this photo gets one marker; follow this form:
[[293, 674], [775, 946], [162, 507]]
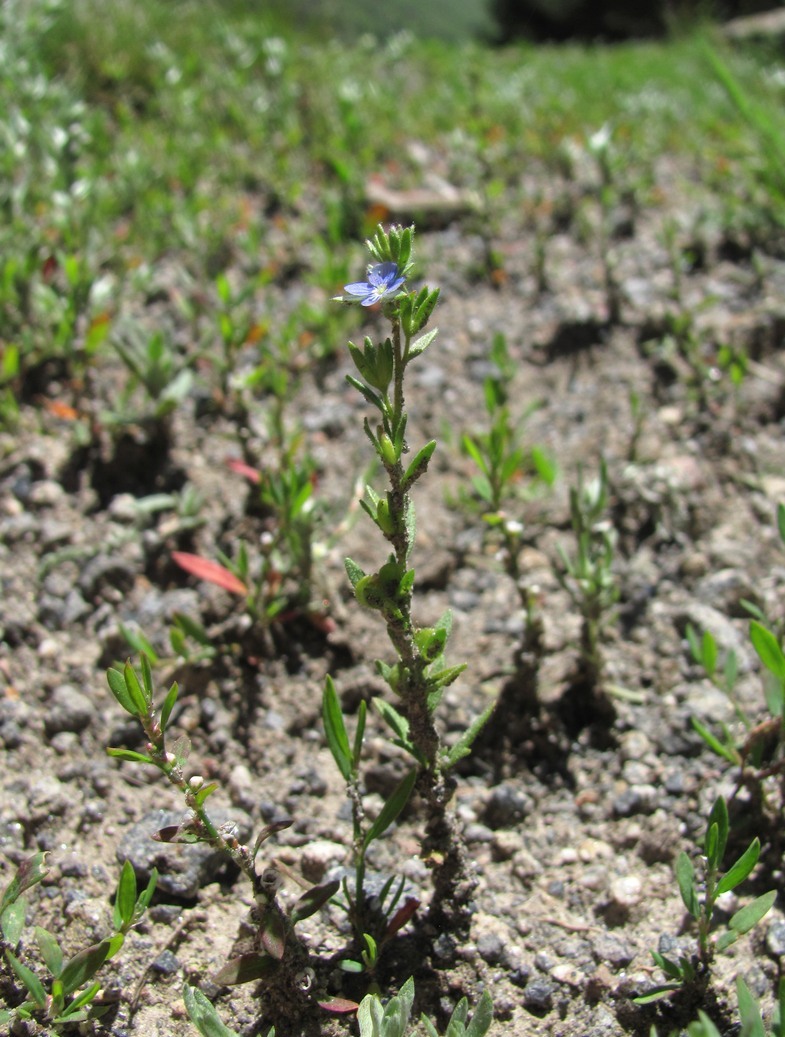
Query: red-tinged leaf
[[338, 1006], [273, 935], [241, 468], [402, 916], [246, 969], [212, 572]]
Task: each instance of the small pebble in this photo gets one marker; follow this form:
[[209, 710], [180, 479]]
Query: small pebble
[[775, 939], [538, 996]]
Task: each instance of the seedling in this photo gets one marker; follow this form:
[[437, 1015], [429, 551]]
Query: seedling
[[700, 898], [68, 994], [278, 956]]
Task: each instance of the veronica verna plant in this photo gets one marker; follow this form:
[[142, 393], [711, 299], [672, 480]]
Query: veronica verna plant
[[700, 898], [418, 676], [278, 955]]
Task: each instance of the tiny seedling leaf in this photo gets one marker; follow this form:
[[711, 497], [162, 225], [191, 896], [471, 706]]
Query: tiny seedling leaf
[[768, 648], [715, 844], [50, 949], [203, 1015], [749, 915], [749, 1011], [685, 877], [28, 978], [740, 870], [482, 1017], [125, 902]]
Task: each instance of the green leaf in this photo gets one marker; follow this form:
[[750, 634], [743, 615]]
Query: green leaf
[[83, 966], [718, 817], [749, 1011], [137, 640], [80, 1001], [12, 921], [168, 706], [418, 466], [203, 1015], [29, 980], [709, 653], [125, 901], [359, 733], [128, 755], [421, 344], [740, 870], [668, 966], [192, 628], [138, 698], [119, 688], [768, 648], [482, 1016], [685, 877], [727, 752], [50, 950], [464, 744], [391, 809], [703, 1027], [335, 730], [656, 994], [749, 915], [353, 571], [144, 898], [781, 521]]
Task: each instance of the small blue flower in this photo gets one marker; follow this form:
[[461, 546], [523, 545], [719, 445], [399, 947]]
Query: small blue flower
[[383, 280]]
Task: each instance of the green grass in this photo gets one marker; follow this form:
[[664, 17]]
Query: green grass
[[214, 133]]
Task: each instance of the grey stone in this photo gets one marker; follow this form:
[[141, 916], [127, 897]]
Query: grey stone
[[538, 996], [69, 710], [507, 804], [775, 939]]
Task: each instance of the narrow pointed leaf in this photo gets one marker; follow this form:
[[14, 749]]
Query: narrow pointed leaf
[[135, 690], [50, 950], [273, 935], [464, 744], [768, 648], [83, 966], [685, 877], [335, 730], [741, 869], [211, 572], [128, 755], [310, 902], [391, 809], [119, 689], [30, 871], [203, 1015], [749, 915], [247, 968], [125, 901], [168, 706], [29, 980]]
